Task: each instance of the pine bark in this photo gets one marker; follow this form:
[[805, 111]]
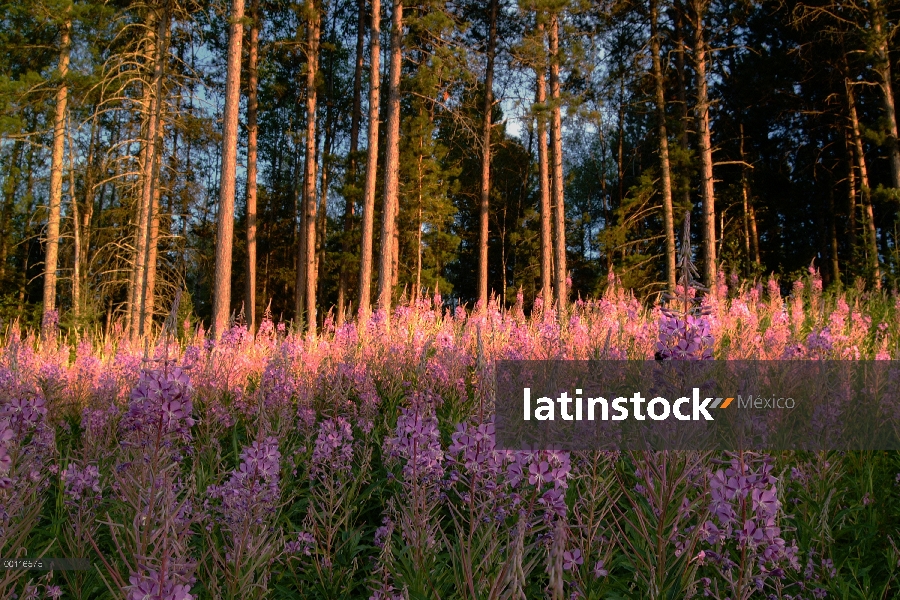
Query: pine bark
[[885, 82], [10, 184], [252, 134], [704, 143], [681, 94], [751, 245], [544, 183], [225, 219], [355, 119], [559, 208], [391, 167], [307, 261], [871, 241], [664, 167], [368, 216], [484, 204], [157, 25], [56, 171]]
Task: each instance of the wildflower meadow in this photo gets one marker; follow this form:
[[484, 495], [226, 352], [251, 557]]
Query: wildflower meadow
[[360, 462]]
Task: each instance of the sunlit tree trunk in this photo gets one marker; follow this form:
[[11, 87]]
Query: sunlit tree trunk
[[391, 165], [484, 204], [252, 132], [225, 221], [368, 216], [871, 241], [704, 143], [355, 118], [544, 185], [665, 171], [157, 31], [559, 207], [307, 260], [51, 257]]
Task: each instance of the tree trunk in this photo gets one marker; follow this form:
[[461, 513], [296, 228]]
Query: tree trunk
[[307, 261], [880, 39], [76, 236], [322, 215], [56, 167], [355, 118], [368, 216], [10, 185], [868, 214], [156, 26], [751, 248], [832, 231], [562, 292], [665, 172], [225, 221], [252, 132], [705, 147], [681, 94], [149, 298], [391, 166], [544, 184], [851, 192], [484, 205]]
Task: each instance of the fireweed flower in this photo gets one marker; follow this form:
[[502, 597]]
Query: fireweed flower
[[151, 585], [333, 451], [303, 545], [417, 444], [81, 483], [252, 491], [160, 403]]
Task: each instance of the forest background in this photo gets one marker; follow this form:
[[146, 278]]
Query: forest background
[[258, 156]]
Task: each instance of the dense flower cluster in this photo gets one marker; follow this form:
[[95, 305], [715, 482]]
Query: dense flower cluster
[[252, 490], [684, 338], [417, 444], [161, 404], [744, 523], [333, 451], [80, 483], [150, 585]]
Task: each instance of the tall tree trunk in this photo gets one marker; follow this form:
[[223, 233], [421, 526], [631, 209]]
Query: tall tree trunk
[[368, 216], [149, 300], [681, 93], [76, 234], [751, 248], [56, 170], [559, 207], [153, 99], [665, 172], [544, 184], [832, 234], [391, 165], [225, 220], [704, 140], [851, 191], [10, 185], [484, 205], [307, 261], [322, 214], [355, 118], [880, 39], [868, 214], [252, 132]]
